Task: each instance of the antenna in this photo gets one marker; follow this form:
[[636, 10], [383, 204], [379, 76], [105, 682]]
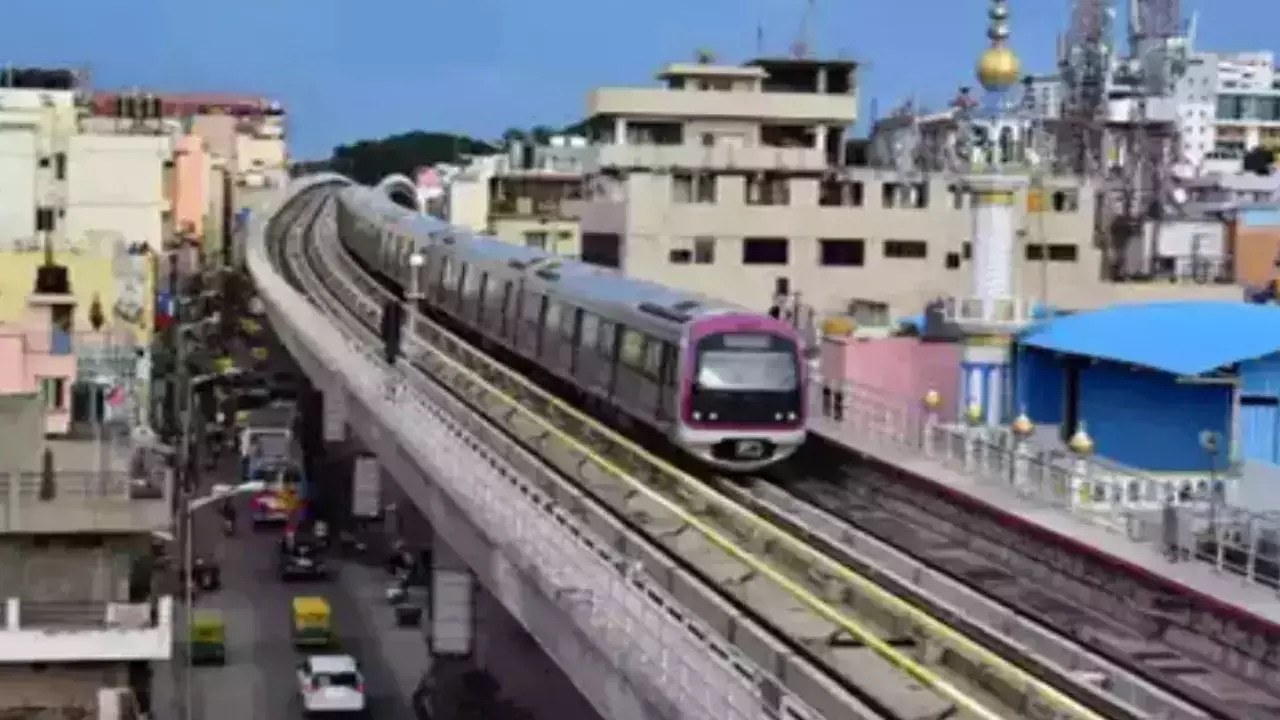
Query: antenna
[[802, 44]]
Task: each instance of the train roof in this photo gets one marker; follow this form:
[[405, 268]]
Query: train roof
[[573, 277]]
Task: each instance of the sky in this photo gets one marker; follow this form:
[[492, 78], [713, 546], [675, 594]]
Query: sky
[[349, 70]]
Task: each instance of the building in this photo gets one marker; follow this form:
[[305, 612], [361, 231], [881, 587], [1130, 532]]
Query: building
[[1228, 103], [1155, 382], [77, 511], [732, 181], [525, 196]]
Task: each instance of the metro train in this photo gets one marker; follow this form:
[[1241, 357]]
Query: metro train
[[723, 383]]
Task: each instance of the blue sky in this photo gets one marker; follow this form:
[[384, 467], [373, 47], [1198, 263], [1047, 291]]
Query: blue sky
[[479, 66]]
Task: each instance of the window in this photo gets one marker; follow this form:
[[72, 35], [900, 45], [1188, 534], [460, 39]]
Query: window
[[704, 250], [1065, 201], [966, 250], [608, 333], [842, 253], [953, 261], [679, 256], [60, 166], [590, 331], [840, 193], [51, 390], [1061, 252], [536, 239], [693, 188], [764, 251], [767, 189], [906, 249]]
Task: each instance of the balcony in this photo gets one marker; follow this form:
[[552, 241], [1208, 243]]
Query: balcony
[[989, 316], [712, 158], [42, 632], [527, 207], [84, 502]]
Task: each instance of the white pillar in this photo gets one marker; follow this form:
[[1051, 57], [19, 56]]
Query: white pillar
[[453, 604], [12, 614]]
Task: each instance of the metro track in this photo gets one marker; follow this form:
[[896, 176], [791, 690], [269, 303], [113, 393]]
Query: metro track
[[671, 532], [1115, 640]]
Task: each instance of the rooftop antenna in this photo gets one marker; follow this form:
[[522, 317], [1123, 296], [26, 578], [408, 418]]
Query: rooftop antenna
[[802, 44]]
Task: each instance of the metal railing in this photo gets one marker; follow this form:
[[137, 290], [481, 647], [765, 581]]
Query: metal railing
[[1180, 518], [27, 614], [645, 633]]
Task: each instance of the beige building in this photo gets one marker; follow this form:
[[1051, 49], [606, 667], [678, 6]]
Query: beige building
[[732, 181], [528, 196]]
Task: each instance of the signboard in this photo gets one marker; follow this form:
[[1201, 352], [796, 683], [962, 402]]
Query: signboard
[[335, 414], [366, 487], [452, 613]]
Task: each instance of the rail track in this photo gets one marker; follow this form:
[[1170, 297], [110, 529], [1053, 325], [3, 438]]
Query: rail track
[[1120, 638], [899, 659]]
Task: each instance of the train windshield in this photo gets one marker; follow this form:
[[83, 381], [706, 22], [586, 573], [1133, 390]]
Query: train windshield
[[747, 362]]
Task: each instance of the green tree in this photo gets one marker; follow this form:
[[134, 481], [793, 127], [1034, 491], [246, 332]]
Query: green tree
[[541, 134], [368, 161]]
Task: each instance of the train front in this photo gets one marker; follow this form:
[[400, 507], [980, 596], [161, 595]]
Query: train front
[[742, 387]]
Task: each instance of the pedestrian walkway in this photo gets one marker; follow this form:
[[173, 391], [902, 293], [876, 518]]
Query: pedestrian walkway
[[1250, 606]]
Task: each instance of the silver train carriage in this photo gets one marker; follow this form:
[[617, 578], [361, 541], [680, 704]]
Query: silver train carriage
[[723, 383]]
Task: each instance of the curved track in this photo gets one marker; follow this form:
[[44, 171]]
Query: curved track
[[789, 571]]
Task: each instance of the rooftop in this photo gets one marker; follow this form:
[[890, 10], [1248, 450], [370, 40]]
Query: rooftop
[[1182, 338]]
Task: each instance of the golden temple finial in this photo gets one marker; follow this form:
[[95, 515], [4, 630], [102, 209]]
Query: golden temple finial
[[999, 67]]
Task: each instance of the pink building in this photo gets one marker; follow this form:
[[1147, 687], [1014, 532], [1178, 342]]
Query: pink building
[[190, 185], [898, 369], [37, 356]]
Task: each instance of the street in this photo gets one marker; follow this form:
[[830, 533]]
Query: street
[[258, 679]]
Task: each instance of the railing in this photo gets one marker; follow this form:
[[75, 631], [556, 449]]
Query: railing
[[1182, 519], [527, 207], [1179, 269], [23, 614]]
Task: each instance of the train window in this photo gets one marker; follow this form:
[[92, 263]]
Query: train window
[[590, 331], [448, 276], [471, 284], [532, 306], [608, 333], [653, 357], [670, 364], [632, 349], [568, 319], [552, 319]]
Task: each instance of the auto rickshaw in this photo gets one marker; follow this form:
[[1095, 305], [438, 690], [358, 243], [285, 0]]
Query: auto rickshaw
[[312, 622], [208, 638]]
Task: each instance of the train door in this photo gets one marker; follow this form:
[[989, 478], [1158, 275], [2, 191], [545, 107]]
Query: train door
[[506, 329], [608, 349], [669, 394]]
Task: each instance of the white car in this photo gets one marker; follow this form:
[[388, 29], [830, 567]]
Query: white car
[[331, 685]]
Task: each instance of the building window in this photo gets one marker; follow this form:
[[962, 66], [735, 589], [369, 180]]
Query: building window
[[764, 251], [953, 261], [1059, 252], [966, 250], [536, 239], [767, 189], [904, 195], [51, 389], [1065, 201], [906, 249], [689, 188], [839, 193], [841, 253], [60, 166], [679, 256], [704, 250]]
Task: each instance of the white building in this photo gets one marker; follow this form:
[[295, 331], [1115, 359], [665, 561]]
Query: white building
[[1228, 103], [71, 184]]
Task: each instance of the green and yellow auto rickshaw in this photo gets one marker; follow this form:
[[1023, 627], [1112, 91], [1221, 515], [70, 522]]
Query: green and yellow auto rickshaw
[[208, 638], [312, 622]]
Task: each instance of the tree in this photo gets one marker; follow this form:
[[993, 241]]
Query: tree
[[368, 161], [513, 135], [1259, 161], [97, 318], [541, 134]]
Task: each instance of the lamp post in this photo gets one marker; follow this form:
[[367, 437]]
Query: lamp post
[[1022, 428], [218, 492], [1081, 445], [931, 401]]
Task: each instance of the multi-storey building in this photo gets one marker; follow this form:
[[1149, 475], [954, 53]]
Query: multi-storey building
[[732, 181], [1228, 104], [525, 196], [78, 609]]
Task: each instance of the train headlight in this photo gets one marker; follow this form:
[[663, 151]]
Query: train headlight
[[697, 415], [712, 416], [777, 416], [791, 416]]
